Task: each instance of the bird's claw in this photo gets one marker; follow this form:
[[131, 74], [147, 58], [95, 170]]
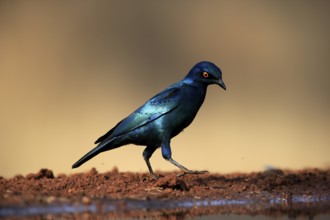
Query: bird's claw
[[154, 176], [192, 172]]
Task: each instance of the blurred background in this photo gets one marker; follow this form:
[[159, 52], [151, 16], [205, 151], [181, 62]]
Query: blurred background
[[70, 70]]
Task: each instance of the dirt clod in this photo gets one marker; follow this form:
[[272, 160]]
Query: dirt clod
[[43, 173], [172, 182]]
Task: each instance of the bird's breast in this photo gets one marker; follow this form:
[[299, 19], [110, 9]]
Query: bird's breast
[[185, 112]]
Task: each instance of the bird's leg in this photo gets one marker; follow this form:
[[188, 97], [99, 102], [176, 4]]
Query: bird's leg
[[167, 154], [147, 153], [185, 170]]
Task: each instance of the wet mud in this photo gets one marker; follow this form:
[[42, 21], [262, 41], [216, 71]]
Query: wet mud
[[274, 193]]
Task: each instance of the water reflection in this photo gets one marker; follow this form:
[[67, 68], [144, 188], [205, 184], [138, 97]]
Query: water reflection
[[274, 207]]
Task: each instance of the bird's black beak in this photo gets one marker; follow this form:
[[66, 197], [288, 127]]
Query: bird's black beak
[[221, 84]]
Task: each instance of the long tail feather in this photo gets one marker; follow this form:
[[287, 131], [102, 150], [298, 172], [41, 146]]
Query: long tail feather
[[98, 149]]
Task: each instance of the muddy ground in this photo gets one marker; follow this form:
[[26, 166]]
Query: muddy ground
[[123, 194]]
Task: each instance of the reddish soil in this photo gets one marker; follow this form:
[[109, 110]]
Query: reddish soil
[[42, 189]]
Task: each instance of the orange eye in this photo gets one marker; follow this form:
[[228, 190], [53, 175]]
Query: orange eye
[[205, 74]]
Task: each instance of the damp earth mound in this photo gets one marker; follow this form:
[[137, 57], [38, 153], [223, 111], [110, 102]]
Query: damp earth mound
[[273, 193]]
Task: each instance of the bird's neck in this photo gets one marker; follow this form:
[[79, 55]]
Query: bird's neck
[[201, 87]]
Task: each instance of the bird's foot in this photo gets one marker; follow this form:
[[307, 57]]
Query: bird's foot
[[151, 178], [154, 177], [192, 172]]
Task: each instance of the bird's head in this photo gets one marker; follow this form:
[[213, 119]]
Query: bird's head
[[206, 73]]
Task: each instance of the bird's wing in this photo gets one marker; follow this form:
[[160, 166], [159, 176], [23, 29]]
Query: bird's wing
[[154, 108]]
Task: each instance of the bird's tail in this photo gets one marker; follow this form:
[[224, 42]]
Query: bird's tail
[[104, 146]]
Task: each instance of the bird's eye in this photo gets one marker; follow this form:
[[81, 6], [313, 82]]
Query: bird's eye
[[205, 74]]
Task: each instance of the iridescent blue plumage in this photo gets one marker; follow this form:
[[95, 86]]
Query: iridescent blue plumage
[[162, 117]]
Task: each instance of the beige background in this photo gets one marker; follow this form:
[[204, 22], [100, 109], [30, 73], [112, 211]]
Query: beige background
[[71, 70]]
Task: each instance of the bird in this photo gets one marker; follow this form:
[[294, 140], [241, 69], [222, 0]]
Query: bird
[[162, 117]]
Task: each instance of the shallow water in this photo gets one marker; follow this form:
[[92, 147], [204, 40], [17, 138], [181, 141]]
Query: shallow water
[[297, 206], [247, 217]]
